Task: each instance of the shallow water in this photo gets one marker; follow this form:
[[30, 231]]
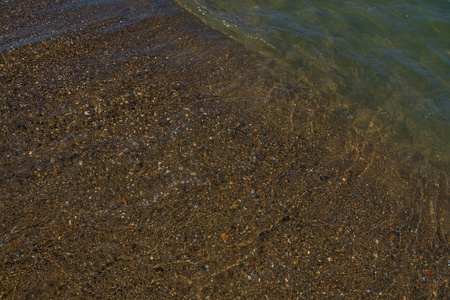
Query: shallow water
[[389, 58], [320, 55], [155, 157]]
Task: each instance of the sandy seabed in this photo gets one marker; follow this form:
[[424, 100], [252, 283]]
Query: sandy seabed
[[147, 156]]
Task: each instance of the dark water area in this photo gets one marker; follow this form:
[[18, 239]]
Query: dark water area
[[388, 61], [145, 155]]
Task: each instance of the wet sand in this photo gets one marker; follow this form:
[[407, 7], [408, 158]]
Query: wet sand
[[160, 159]]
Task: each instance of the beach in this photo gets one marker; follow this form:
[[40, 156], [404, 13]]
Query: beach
[[146, 155]]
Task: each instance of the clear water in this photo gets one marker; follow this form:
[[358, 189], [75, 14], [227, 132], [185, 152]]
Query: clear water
[[389, 57]]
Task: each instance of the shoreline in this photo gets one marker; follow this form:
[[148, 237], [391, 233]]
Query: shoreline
[[162, 159]]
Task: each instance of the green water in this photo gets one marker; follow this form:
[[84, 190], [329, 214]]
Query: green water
[[390, 60]]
